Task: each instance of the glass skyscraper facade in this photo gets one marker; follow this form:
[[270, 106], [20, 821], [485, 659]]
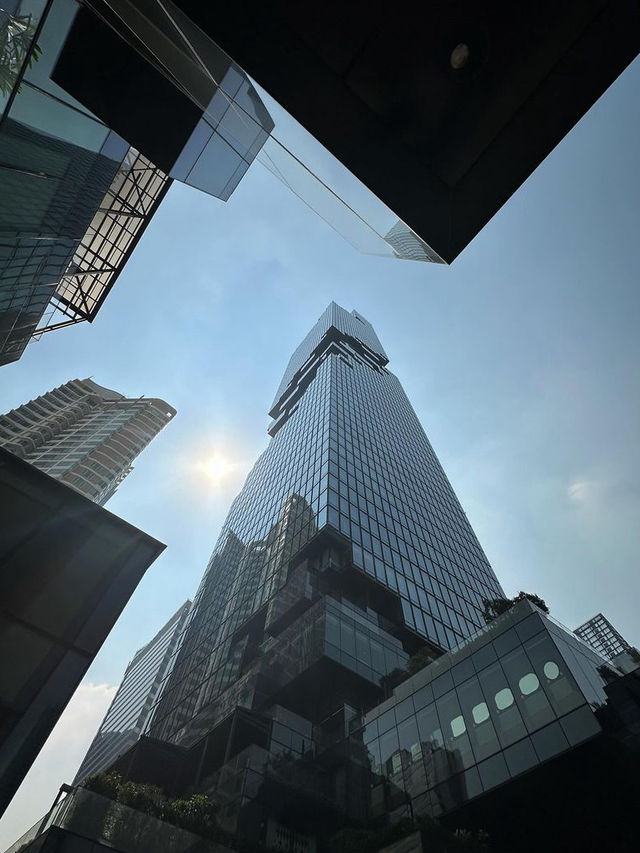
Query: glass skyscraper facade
[[347, 515], [83, 434], [130, 712]]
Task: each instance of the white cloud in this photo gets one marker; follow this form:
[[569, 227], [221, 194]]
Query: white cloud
[[58, 761], [582, 491]]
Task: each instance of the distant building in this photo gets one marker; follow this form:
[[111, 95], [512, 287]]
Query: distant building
[[83, 434], [67, 569], [131, 709], [600, 634]]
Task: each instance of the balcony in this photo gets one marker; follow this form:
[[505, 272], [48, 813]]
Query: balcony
[[86, 818]]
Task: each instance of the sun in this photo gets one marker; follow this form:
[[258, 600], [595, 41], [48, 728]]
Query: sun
[[216, 467]]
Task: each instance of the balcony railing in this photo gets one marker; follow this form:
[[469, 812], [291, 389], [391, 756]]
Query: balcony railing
[[96, 818]]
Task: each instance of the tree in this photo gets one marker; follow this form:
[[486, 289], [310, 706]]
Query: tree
[[494, 607], [423, 657]]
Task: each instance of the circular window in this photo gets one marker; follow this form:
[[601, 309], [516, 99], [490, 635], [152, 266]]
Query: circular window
[[503, 699], [528, 683], [551, 670]]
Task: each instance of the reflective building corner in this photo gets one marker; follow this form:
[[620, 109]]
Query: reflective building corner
[[130, 712]]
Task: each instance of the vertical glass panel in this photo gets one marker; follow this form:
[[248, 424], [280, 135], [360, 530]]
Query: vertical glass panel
[[332, 629], [506, 642], [520, 757], [429, 726], [549, 741], [347, 638], [442, 684], [530, 697], [472, 783], [483, 657], [482, 733], [453, 729], [363, 651], [554, 674], [408, 735], [493, 771], [580, 725], [423, 697], [377, 657], [388, 746], [502, 707], [404, 709], [386, 720]]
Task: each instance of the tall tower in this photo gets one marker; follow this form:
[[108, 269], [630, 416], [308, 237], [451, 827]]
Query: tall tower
[[84, 435], [345, 552]]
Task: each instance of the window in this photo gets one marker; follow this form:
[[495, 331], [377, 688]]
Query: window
[[480, 713], [528, 684], [457, 726], [551, 670], [504, 699]]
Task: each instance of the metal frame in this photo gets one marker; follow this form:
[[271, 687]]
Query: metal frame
[[115, 230]]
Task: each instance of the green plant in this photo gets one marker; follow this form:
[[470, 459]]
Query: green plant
[[105, 784], [423, 657], [494, 607], [148, 799], [16, 35], [196, 814]]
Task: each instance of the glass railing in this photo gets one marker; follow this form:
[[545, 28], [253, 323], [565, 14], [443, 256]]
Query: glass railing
[[114, 825]]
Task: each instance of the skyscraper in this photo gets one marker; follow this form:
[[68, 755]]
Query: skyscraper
[[345, 552], [83, 434], [335, 671], [130, 712], [600, 634]]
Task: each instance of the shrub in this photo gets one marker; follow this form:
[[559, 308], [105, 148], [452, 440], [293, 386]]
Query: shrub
[[196, 814], [105, 784], [148, 799], [494, 607]]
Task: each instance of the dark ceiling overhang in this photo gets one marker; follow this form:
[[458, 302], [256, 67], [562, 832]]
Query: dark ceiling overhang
[[443, 147]]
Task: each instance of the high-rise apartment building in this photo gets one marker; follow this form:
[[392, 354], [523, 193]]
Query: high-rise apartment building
[[84, 435], [600, 634], [130, 712]]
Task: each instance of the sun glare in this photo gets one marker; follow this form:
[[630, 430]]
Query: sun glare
[[216, 467]]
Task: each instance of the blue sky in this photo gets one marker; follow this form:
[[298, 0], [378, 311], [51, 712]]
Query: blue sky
[[521, 360]]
